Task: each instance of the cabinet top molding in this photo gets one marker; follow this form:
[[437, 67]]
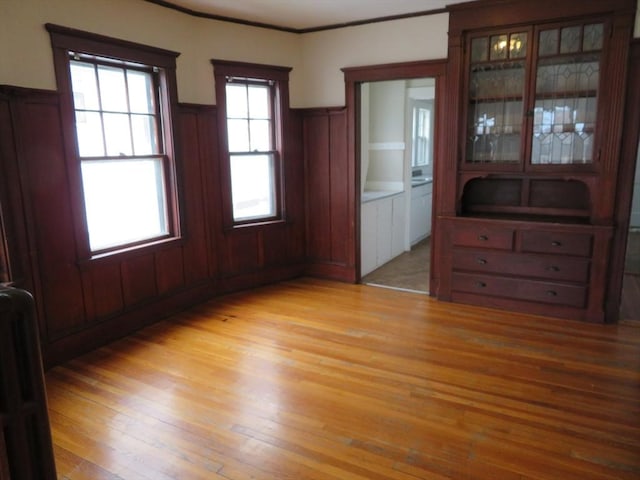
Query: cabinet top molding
[[483, 13]]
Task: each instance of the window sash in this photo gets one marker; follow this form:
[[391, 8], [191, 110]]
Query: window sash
[[123, 168], [253, 185], [125, 201], [124, 129], [252, 157]]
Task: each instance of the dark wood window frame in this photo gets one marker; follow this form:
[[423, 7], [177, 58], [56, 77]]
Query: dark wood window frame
[[278, 77], [65, 40]]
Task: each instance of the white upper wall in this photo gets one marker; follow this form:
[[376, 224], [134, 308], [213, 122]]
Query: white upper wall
[[25, 49], [325, 53], [316, 58]]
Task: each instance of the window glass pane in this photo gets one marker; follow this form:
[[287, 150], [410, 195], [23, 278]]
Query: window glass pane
[[479, 47], [113, 93], [421, 136], [85, 88], [252, 186], [140, 91], [548, 42], [117, 134], [260, 135], [570, 40], [238, 132], [124, 201], [89, 134], [498, 47], [258, 101], [518, 45], [592, 37], [145, 138], [237, 101]]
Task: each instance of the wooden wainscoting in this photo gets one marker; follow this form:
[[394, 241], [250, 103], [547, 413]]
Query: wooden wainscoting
[[311, 379]]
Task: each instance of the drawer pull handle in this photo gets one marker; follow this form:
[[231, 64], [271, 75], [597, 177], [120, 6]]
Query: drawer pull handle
[[553, 268], [484, 238], [556, 243], [552, 293], [481, 261], [481, 284]]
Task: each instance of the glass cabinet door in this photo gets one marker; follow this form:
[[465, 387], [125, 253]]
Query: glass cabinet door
[[566, 94], [497, 75]]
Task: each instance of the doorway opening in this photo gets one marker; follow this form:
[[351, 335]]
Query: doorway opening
[[396, 127]]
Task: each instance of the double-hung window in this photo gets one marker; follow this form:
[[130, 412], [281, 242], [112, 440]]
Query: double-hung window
[[252, 101], [252, 152], [120, 109]]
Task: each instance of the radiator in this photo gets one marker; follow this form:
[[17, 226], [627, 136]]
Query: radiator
[[26, 451]]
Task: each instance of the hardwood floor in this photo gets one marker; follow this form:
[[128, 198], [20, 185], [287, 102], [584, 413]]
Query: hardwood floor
[[312, 379]]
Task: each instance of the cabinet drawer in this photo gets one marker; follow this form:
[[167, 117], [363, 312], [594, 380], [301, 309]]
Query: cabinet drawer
[[530, 290], [550, 267], [485, 237], [578, 244]]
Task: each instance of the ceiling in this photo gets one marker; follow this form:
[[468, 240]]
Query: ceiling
[[305, 15]]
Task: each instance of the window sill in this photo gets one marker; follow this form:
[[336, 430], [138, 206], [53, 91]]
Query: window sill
[[133, 251], [257, 224]]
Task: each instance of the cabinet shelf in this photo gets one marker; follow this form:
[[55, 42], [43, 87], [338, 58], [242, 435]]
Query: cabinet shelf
[[495, 98], [520, 212], [566, 94]]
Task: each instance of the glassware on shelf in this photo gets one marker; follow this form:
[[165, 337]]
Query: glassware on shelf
[[496, 95]]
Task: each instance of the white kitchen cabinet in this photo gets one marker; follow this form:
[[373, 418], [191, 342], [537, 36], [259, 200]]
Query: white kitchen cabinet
[[382, 230], [420, 222]]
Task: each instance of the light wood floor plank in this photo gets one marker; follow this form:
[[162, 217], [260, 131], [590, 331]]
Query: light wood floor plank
[[312, 379]]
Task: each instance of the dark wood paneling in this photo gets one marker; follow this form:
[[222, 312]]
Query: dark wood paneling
[[328, 180], [169, 270], [103, 289], [87, 302], [624, 191], [197, 136], [138, 279], [341, 229], [49, 190], [241, 252], [318, 174]]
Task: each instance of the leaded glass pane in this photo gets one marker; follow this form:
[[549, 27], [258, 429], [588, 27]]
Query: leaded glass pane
[[479, 49], [568, 77], [499, 49], [548, 42], [570, 40], [495, 112], [592, 37], [565, 108], [518, 45]]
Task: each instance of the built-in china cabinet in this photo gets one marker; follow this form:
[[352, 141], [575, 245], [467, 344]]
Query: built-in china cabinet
[[535, 105]]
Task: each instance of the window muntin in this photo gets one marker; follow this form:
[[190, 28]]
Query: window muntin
[[119, 137], [252, 154]]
